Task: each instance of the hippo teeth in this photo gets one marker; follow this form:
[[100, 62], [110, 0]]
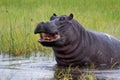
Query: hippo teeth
[[49, 37]]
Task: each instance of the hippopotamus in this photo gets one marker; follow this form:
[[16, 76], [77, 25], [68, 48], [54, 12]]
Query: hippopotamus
[[76, 46]]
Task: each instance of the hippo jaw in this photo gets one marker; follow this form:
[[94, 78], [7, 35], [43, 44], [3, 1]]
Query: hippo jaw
[[48, 37]]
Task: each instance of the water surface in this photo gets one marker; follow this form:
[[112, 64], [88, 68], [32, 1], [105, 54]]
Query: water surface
[[39, 67], [21, 68]]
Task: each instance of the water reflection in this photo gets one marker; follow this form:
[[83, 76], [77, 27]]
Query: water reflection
[[40, 67], [21, 68]]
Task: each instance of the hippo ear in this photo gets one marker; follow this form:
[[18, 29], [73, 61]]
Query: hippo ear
[[54, 14], [70, 16]]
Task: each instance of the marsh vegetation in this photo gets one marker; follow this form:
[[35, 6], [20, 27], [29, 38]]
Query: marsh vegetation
[[18, 19]]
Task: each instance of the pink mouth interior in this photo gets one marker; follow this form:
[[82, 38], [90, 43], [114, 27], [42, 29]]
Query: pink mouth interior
[[49, 37]]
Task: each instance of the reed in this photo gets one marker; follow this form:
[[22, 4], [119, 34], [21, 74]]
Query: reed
[[18, 18]]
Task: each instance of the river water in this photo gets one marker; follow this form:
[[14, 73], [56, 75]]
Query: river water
[[39, 67]]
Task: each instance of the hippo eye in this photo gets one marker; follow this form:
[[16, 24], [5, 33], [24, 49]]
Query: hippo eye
[[62, 18]]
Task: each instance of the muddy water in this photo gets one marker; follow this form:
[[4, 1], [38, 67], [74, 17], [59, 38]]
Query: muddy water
[[37, 67]]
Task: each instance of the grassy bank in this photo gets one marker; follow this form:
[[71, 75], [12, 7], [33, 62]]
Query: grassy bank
[[18, 19]]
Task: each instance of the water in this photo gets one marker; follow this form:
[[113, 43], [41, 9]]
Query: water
[[32, 68], [40, 68]]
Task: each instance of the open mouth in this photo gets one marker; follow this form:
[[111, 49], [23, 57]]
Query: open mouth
[[48, 37]]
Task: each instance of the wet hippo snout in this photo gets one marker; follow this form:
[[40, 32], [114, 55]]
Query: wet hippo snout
[[48, 27], [39, 28], [48, 32]]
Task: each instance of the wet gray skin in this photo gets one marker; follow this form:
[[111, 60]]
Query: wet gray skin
[[74, 45]]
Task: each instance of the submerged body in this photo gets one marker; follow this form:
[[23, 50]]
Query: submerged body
[[73, 45]]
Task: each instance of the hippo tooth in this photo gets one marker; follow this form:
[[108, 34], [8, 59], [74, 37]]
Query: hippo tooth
[[40, 35], [43, 36]]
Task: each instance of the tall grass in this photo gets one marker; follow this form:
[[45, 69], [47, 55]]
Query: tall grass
[[18, 19]]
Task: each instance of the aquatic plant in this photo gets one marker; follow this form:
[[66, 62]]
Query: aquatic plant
[[74, 73], [18, 20]]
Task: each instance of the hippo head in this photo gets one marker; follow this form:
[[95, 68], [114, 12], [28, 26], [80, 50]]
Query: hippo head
[[56, 32]]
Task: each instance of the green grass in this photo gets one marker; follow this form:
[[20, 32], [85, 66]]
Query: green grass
[[18, 18], [75, 73]]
